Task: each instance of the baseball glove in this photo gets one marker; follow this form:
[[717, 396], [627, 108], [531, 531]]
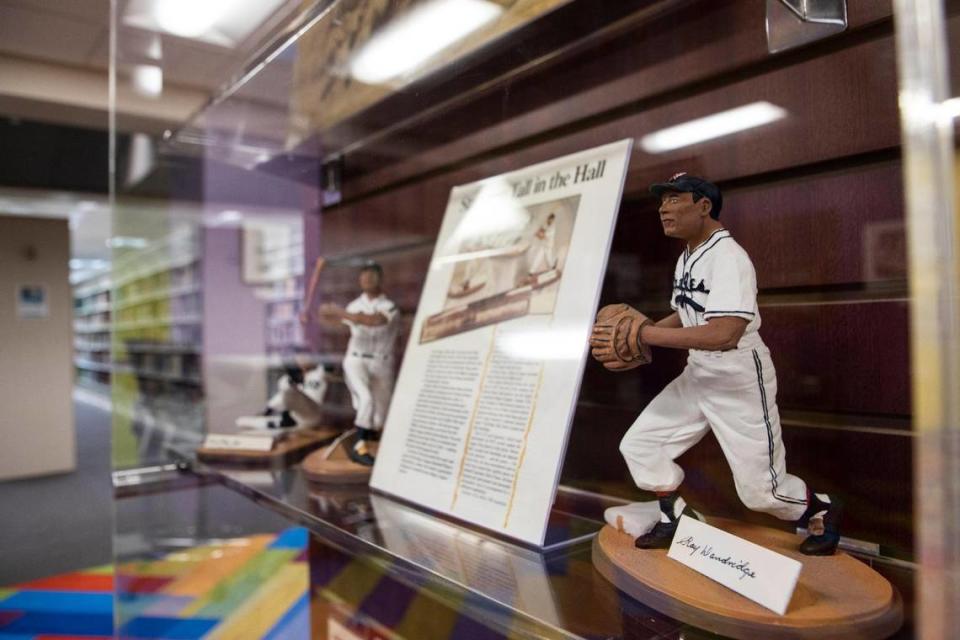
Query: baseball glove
[[615, 341]]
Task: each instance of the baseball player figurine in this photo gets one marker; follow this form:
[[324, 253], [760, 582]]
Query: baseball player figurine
[[368, 366], [728, 386]]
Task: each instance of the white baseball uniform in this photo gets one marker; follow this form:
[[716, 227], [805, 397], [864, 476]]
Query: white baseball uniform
[[733, 393], [368, 366], [543, 252]]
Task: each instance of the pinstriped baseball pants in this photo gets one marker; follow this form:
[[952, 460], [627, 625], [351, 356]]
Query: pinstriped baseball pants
[[733, 394]]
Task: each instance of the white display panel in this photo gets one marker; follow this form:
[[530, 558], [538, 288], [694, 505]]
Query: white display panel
[[479, 420]]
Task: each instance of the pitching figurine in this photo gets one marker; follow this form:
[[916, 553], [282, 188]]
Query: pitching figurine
[[729, 385]]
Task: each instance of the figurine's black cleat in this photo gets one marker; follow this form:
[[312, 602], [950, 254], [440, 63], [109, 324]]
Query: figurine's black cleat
[[659, 537], [360, 454], [360, 451], [286, 420], [672, 506], [822, 522]]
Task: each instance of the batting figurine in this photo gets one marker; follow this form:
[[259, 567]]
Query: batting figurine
[[368, 364], [729, 385]]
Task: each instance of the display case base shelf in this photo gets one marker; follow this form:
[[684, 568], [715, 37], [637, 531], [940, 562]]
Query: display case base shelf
[[837, 597], [286, 452]]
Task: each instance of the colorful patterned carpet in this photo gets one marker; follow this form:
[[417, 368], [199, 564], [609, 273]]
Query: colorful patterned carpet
[[252, 587]]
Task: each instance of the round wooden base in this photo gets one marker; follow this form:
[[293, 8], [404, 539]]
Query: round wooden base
[[837, 597], [336, 467], [287, 451]]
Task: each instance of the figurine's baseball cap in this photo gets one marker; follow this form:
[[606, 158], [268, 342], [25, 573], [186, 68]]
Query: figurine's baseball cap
[[685, 183], [372, 265]]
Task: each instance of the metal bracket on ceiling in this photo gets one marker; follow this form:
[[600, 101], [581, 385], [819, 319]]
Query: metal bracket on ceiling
[[792, 23]]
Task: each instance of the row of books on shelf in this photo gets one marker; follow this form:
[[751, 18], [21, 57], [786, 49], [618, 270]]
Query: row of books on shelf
[[171, 281], [177, 307]]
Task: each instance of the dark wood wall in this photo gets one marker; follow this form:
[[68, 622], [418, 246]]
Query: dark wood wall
[[815, 198]]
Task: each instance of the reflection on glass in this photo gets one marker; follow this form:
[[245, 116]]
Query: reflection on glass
[[553, 344], [713, 126], [409, 41], [221, 22]]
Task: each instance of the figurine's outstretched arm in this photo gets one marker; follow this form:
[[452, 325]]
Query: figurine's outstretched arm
[[719, 334], [333, 313]]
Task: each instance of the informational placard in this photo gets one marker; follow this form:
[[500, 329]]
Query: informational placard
[[225, 441], [479, 420], [766, 577], [32, 301]]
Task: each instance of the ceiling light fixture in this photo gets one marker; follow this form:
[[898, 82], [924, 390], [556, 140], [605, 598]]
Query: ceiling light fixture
[[225, 23], [415, 37], [147, 80], [713, 126], [189, 18], [127, 242]]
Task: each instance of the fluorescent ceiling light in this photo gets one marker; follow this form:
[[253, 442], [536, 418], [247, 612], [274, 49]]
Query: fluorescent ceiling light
[[714, 126], [222, 22], [127, 242], [189, 18], [413, 38], [227, 218], [88, 263]]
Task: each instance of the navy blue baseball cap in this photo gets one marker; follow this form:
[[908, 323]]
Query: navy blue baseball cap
[[685, 183]]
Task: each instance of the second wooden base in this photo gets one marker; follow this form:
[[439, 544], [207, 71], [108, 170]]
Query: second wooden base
[[337, 467], [837, 597]]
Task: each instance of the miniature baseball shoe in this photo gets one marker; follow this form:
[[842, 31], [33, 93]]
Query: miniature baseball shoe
[[672, 506], [361, 452], [822, 522]]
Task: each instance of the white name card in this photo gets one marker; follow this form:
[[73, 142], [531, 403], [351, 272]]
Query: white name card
[[766, 577], [239, 443]]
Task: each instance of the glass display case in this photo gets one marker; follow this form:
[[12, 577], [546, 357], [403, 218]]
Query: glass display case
[[332, 135]]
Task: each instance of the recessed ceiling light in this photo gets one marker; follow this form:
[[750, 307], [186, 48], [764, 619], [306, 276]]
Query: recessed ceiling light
[[147, 80]]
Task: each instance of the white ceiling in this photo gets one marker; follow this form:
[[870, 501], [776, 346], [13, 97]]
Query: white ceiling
[[54, 59], [48, 46]]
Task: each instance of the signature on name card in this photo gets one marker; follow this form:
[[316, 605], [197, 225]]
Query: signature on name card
[[707, 551]]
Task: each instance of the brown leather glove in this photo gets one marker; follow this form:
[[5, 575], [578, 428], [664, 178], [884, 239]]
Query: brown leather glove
[[615, 341]]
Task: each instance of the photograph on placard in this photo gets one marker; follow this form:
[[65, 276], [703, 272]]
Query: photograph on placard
[[508, 265]]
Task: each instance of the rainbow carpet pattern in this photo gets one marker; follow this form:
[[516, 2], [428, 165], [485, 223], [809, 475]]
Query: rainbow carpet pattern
[[253, 587]]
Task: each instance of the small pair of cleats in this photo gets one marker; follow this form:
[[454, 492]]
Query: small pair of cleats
[[822, 521]]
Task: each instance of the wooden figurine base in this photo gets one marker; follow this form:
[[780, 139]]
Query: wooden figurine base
[[331, 465], [837, 597], [288, 451]]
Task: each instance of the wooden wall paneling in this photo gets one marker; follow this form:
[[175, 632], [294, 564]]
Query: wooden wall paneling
[[839, 228], [665, 54], [839, 106], [848, 359], [839, 231], [843, 358]]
